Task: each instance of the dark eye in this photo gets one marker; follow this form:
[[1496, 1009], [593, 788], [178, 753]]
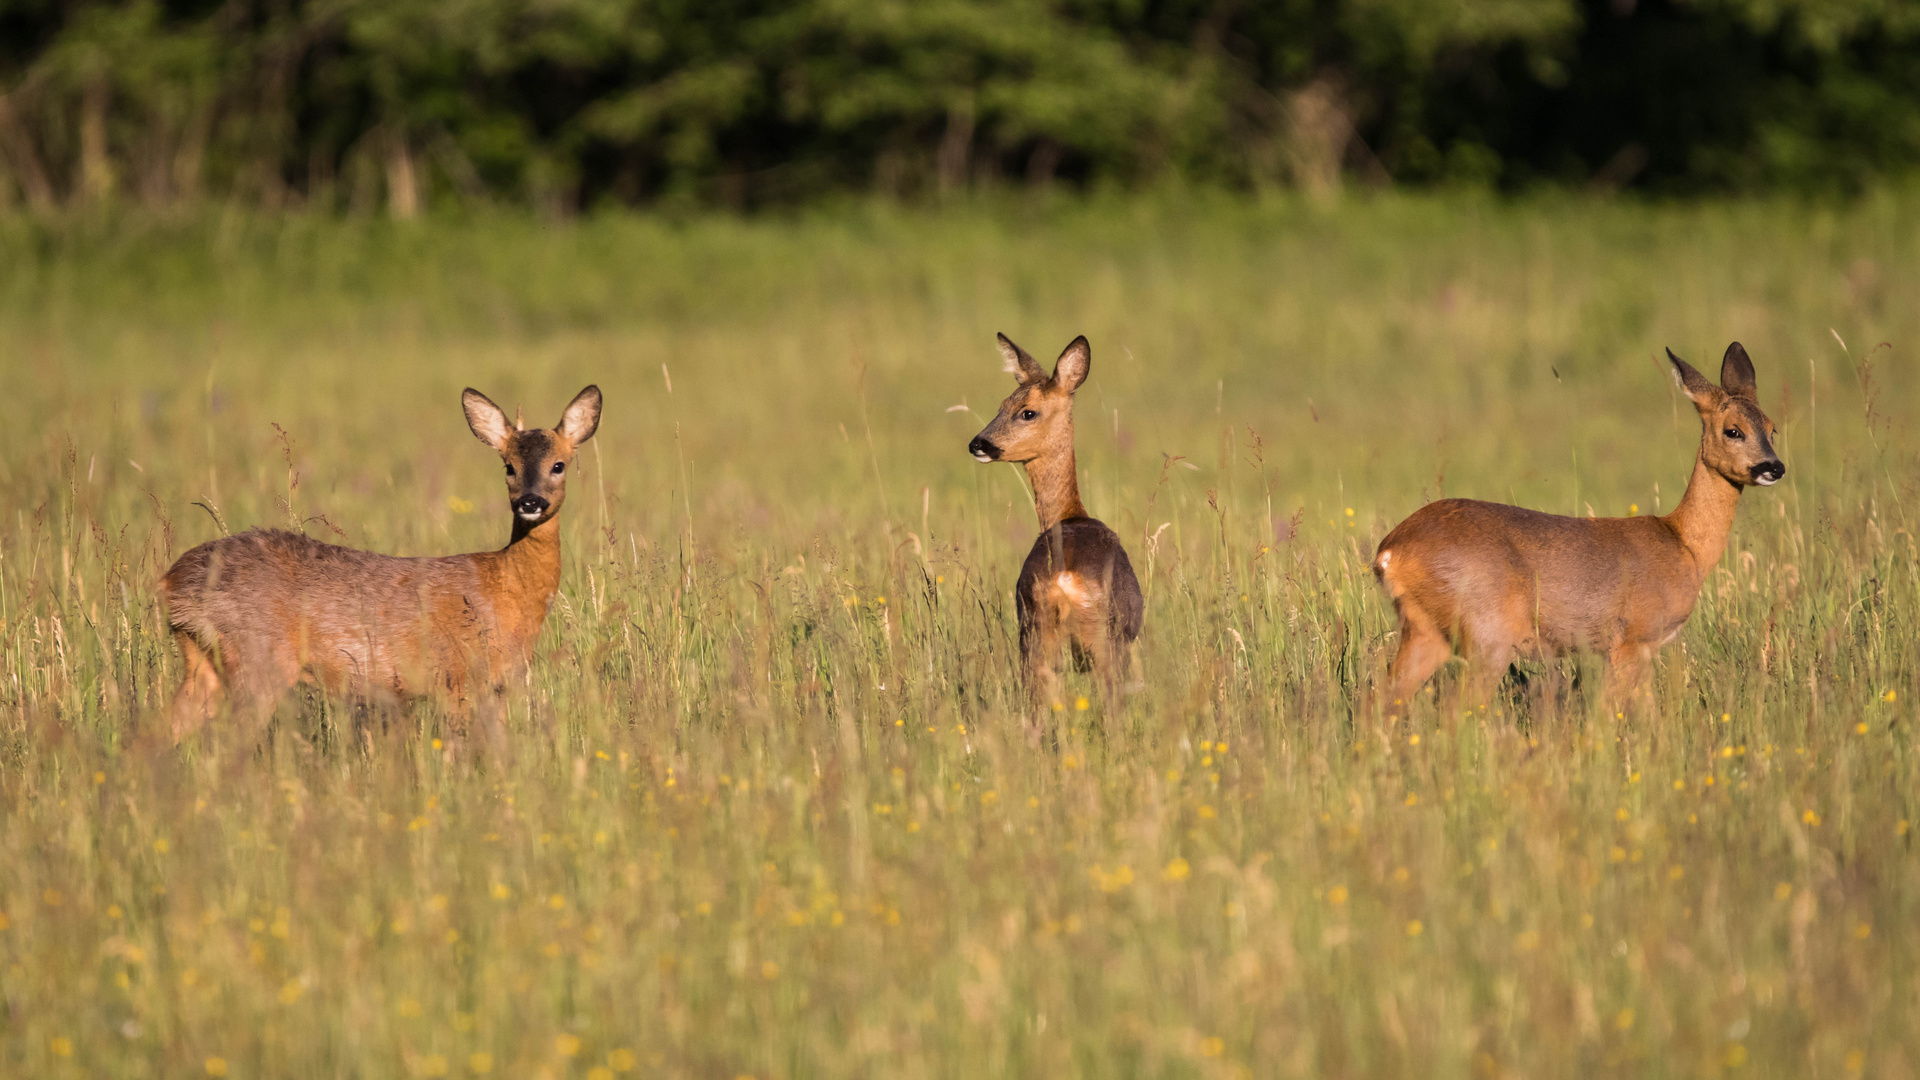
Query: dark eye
[[1029, 414], [1733, 433], [509, 470], [559, 467]]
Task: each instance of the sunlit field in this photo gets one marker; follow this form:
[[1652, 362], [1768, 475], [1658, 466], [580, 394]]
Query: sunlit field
[[767, 807]]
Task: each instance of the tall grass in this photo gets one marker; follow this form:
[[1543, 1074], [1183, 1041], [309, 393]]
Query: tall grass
[[767, 808]]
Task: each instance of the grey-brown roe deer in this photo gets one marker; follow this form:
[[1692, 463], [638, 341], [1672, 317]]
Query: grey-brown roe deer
[[257, 612]]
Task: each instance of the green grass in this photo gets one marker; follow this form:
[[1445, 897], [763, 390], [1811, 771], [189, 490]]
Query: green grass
[[767, 809]]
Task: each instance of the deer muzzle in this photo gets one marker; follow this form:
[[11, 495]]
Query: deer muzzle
[[530, 507], [1768, 473], [982, 450]]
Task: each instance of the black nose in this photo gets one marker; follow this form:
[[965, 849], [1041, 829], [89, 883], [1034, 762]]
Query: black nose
[[530, 505], [983, 449], [1769, 472]]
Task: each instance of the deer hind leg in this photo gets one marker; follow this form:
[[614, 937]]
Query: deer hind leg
[[1043, 666], [1095, 645], [200, 692], [1487, 664], [258, 680], [1041, 640], [1423, 648], [1083, 609], [1495, 638], [1491, 651]]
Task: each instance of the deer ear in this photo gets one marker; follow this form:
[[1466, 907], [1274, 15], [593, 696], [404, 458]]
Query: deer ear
[[1736, 374], [1017, 363], [582, 417], [489, 424], [1692, 383], [1071, 369]]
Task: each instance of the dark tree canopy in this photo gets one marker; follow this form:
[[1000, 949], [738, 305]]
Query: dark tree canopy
[[562, 104]]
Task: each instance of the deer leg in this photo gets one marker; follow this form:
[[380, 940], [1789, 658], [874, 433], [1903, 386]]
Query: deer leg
[[1487, 664], [256, 684], [1136, 676], [1629, 668], [1110, 669], [1040, 648], [1092, 635], [1043, 675], [1495, 638], [1423, 648], [200, 692], [483, 704]]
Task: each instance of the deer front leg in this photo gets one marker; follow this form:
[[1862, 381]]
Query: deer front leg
[[1629, 677], [481, 697]]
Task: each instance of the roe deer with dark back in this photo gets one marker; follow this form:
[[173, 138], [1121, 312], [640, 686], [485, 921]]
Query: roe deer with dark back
[[1496, 581], [259, 611], [1077, 589]]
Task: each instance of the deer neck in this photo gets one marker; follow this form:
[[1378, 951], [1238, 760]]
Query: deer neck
[[1056, 487], [1705, 516], [532, 558]]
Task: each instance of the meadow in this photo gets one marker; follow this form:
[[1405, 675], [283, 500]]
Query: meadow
[[766, 807]]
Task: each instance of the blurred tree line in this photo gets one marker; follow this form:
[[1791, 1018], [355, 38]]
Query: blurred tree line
[[563, 104]]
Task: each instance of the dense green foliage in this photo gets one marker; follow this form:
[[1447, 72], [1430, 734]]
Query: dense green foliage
[[563, 104], [766, 807]]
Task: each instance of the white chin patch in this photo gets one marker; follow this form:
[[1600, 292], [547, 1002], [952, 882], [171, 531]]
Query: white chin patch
[[528, 517], [1766, 481], [981, 457]]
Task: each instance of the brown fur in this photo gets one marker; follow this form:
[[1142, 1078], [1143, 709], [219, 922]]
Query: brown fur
[[1077, 589], [257, 612], [1495, 582]]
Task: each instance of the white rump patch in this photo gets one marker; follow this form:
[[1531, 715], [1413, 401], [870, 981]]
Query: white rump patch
[[1074, 589]]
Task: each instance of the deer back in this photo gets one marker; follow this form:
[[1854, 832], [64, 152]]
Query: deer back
[[1488, 569], [1082, 559], [272, 600]]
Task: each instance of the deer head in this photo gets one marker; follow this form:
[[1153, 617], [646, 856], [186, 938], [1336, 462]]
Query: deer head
[[1036, 420], [1737, 441], [536, 459]]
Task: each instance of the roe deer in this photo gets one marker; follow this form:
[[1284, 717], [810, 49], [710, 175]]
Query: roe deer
[[259, 611], [1493, 580], [1077, 587]]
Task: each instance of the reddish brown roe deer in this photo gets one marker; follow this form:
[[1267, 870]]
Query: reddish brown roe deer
[[1495, 582], [1077, 587], [259, 611]]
